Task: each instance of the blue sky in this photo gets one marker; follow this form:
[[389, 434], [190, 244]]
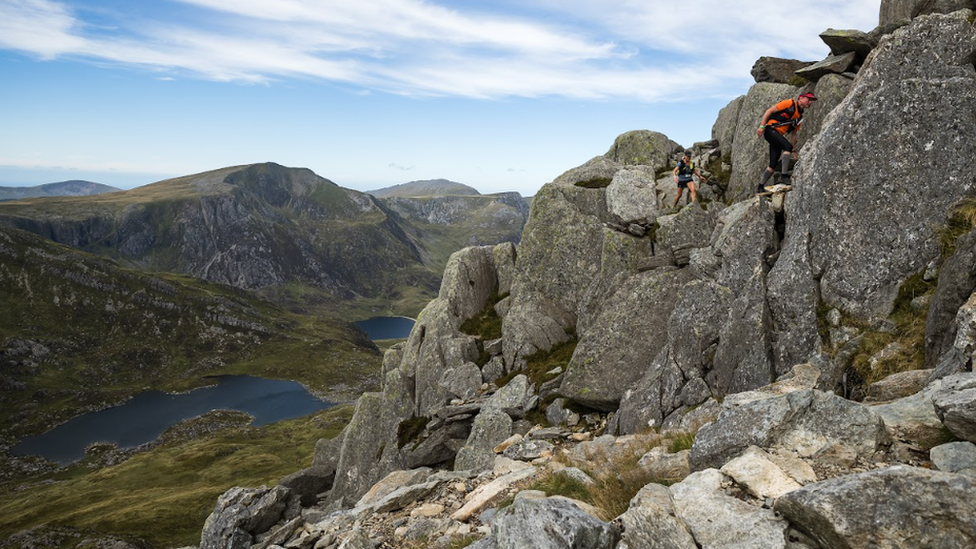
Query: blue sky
[[503, 95]]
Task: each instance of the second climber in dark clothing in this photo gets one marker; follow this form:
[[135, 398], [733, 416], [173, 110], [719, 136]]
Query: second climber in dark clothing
[[779, 121], [684, 173]]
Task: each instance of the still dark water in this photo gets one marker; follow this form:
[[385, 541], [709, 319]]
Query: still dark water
[[387, 327], [143, 418]]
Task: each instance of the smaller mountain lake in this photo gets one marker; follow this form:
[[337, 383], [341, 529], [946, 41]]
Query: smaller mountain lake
[[387, 327], [144, 417]]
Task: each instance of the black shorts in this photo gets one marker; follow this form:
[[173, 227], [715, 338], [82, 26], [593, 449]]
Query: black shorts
[[684, 184], [778, 144]]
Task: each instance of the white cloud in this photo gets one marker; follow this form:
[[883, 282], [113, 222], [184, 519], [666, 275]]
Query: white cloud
[[645, 51], [38, 26]]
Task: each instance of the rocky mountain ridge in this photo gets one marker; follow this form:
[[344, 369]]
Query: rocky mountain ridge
[[269, 228], [747, 325]]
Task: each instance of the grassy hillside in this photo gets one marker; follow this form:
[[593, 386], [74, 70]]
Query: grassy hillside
[[162, 496], [80, 333]]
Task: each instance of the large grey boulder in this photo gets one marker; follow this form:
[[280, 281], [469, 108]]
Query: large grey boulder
[[863, 244], [744, 238], [369, 449], [843, 41], [242, 513], [608, 359], [559, 258], [776, 69], [643, 147], [548, 523], [913, 418], [308, 483], [793, 299], [743, 357], [679, 233], [675, 379], [720, 521], [493, 425], [489, 429], [955, 457], [632, 197], [899, 507], [807, 422], [462, 381], [955, 404], [650, 522], [835, 64], [726, 123], [898, 11]]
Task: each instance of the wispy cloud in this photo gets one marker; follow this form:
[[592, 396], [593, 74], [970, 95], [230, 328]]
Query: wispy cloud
[[44, 28], [645, 51]]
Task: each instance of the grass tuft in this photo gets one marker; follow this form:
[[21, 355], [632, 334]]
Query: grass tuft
[[618, 478], [681, 441], [961, 220], [539, 364], [905, 344]]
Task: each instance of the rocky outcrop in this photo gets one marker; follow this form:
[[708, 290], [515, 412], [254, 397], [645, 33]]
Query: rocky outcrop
[[955, 404], [644, 148], [806, 422], [853, 250], [373, 444], [548, 523], [777, 70], [240, 514]]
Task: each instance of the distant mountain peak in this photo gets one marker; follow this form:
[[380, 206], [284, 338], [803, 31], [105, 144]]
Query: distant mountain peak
[[74, 187], [428, 187]]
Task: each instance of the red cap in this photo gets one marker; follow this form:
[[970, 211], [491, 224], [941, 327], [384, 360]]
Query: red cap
[[809, 96]]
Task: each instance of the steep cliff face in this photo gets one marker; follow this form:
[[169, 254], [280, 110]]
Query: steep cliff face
[[447, 223], [743, 316]]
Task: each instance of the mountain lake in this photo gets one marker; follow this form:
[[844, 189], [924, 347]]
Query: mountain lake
[[143, 418], [387, 327]]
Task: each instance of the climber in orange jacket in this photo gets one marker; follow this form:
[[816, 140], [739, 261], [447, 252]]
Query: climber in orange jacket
[[782, 119]]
